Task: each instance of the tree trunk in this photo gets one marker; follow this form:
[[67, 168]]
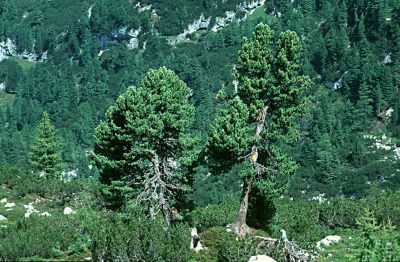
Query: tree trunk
[[239, 226], [162, 204]]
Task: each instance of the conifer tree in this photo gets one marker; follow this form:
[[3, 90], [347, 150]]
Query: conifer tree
[[45, 156], [363, 109], [142, 146], [262, 112], [378, 242]]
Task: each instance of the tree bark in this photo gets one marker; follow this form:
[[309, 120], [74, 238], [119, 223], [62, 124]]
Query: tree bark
[[164, 206], [240, 226], [159, 183]]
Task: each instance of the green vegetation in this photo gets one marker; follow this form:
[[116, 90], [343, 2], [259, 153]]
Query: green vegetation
[[45, 156], [143, 146], [287, 112], [6, 99], [263, 111]]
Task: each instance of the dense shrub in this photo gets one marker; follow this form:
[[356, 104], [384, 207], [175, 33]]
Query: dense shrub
[[213, 238], [309, 221], [300, 219], [23, 183], [386, 206], [140, 239], [45, 237], [238, 250], [213, 215], [340, 213]]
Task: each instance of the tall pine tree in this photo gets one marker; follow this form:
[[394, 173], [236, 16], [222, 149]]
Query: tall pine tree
[[142, 146], [45, 156], [263, 112]]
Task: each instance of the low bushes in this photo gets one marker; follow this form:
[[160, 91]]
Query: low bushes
[[213, 215], [24, 183], [308, 221], [45, 237], [140, 239]]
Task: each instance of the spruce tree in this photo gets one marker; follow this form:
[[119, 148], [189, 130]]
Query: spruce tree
[[45, 156], [262, 112], [142, 146], [377, 242]]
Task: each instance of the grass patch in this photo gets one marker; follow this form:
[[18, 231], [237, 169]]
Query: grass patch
[[258, 12], [6, 99], [23, 63]]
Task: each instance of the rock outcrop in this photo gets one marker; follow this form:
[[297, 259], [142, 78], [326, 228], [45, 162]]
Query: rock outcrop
[[134, 41], [8, 49], [204, 23], [200, 24]]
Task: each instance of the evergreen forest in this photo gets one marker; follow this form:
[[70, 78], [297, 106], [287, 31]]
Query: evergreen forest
[[200, 130]]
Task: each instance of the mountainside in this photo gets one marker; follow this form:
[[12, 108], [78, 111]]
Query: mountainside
[[76, 60], [66, 65]]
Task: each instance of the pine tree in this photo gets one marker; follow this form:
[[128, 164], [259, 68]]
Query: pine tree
[[327, 160], [45, 156], [363, 108], [142, 146], [263, 111], [378, 242]]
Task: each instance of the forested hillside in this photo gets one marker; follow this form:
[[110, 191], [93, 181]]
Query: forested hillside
[[105, 94]]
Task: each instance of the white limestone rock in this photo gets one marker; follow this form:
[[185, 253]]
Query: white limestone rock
[[387, 59], [8, 49], [134, 41], [320, 198], [70, 175], [68, 211], [46, 214], [8, 205], [30, 210], [261, 258], [89, 11], [4, 200], [199, 24], [3, 218], [328, 241], [142, 8]]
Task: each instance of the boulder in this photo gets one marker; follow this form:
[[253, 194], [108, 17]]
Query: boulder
[[4, 200], [2, 218], [8, 205], [261, 258], [328, 241], [68, 211]]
